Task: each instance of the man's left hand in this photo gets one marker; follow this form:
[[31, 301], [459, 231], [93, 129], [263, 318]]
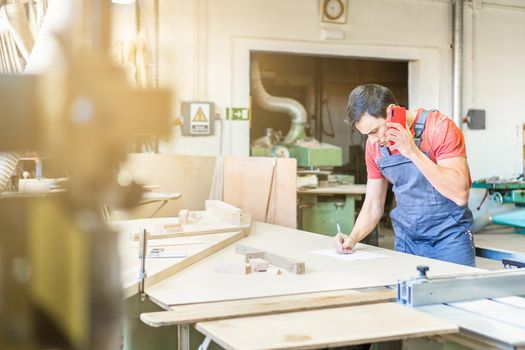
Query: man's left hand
[[402, 139]]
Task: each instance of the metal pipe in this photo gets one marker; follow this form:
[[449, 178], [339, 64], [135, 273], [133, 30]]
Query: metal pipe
[[143, 247], [20, 29], [8, 164], [279, 104], [457, 54], [46, 47]]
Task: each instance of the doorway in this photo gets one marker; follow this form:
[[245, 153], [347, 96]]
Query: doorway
[[322, 84]]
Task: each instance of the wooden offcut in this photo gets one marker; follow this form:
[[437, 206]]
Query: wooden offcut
[[184, 216], [235, 267], [224, 211], [288, 264], [197, 229], [259, 265]]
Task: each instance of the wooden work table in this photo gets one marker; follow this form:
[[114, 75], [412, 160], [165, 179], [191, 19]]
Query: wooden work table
[[198, 294], [199, 283]]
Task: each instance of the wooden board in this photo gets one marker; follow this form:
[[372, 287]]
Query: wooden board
[[247, 185], [262, 306], [323, 273], [189, 175], [345, 189], [156, 226], [158, 269], [325, 328]]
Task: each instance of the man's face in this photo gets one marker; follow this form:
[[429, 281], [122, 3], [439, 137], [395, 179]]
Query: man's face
[[374, 127]]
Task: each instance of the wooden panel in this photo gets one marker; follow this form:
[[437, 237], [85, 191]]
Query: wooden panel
[[325, 328], [189, 175], [247, 186], [322, 273], [261, 306]]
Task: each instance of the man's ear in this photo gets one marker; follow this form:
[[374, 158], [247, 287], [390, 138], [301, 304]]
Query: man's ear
[[389, 109]]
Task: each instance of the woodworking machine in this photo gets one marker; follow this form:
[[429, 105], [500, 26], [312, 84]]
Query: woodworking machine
[[486, 306], [505, 191]]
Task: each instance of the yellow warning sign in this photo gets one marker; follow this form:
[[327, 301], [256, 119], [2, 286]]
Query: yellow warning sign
[[200, 116]]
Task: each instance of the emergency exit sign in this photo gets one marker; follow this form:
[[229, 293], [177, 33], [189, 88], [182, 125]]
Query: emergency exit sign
[[237, 114]]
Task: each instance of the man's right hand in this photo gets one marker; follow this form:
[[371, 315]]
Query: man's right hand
[[343, 244]]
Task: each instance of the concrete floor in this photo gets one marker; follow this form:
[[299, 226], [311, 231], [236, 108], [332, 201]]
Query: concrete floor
[[492, 235]]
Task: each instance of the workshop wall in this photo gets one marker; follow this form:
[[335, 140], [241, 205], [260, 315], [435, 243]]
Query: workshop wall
[[494, 76], [200, 41]]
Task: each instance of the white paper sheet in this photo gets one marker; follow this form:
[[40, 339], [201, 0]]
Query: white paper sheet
[[355, 255]]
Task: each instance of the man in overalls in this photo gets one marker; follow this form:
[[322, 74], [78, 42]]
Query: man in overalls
[[428, 169]]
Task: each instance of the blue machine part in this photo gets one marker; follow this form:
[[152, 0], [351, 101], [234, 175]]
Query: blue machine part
[[515, 218]]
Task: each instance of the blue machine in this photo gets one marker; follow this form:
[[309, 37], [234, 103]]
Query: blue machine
[[505, 191]]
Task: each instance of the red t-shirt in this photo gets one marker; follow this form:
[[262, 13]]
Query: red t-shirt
[[442, 139]]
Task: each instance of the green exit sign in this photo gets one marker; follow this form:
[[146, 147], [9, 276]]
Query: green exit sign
[[237, 114]]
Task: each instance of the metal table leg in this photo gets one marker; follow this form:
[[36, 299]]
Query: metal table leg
[[184, 336], [205, 343]]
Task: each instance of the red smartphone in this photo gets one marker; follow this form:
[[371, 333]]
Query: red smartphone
[[398, 115]]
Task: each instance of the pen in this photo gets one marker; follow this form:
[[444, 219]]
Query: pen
[[341, 239]]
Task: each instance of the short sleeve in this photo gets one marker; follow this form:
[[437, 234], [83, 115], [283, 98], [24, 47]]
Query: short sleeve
[[448, 141], [372, 168]]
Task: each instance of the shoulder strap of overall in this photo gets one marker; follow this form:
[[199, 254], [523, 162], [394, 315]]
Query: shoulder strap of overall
[[419, 126]]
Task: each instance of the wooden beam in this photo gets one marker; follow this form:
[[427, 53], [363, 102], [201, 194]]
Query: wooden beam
[[224, 211], [193, 230], [263, 306], [288, 264]]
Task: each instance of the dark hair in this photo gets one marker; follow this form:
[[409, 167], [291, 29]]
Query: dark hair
[[368, 98]]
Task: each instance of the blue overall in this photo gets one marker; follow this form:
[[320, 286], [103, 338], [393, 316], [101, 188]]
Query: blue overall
[[425, 222]]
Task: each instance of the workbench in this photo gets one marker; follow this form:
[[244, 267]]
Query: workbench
[[320, 209], [322, 273], [244, 311], [197, 288]]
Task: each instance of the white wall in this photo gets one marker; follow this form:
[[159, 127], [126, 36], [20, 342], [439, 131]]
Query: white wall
[[495, 81], [205, 49]]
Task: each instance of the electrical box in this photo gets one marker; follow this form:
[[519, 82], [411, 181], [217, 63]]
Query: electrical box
[[198, 118], [476, 119]]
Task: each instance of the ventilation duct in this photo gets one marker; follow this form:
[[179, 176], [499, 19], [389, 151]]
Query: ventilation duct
[[8, 163], [279, 104]]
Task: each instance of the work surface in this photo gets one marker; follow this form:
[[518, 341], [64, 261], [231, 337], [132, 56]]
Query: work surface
[[200, 283], [501, 238], [325, 328]]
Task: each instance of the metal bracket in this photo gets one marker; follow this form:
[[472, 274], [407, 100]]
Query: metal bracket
[[143, 246], [205, 343], [418, 292]]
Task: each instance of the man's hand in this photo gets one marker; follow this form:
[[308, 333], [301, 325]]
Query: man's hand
[[343, 244], [402, 139]]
